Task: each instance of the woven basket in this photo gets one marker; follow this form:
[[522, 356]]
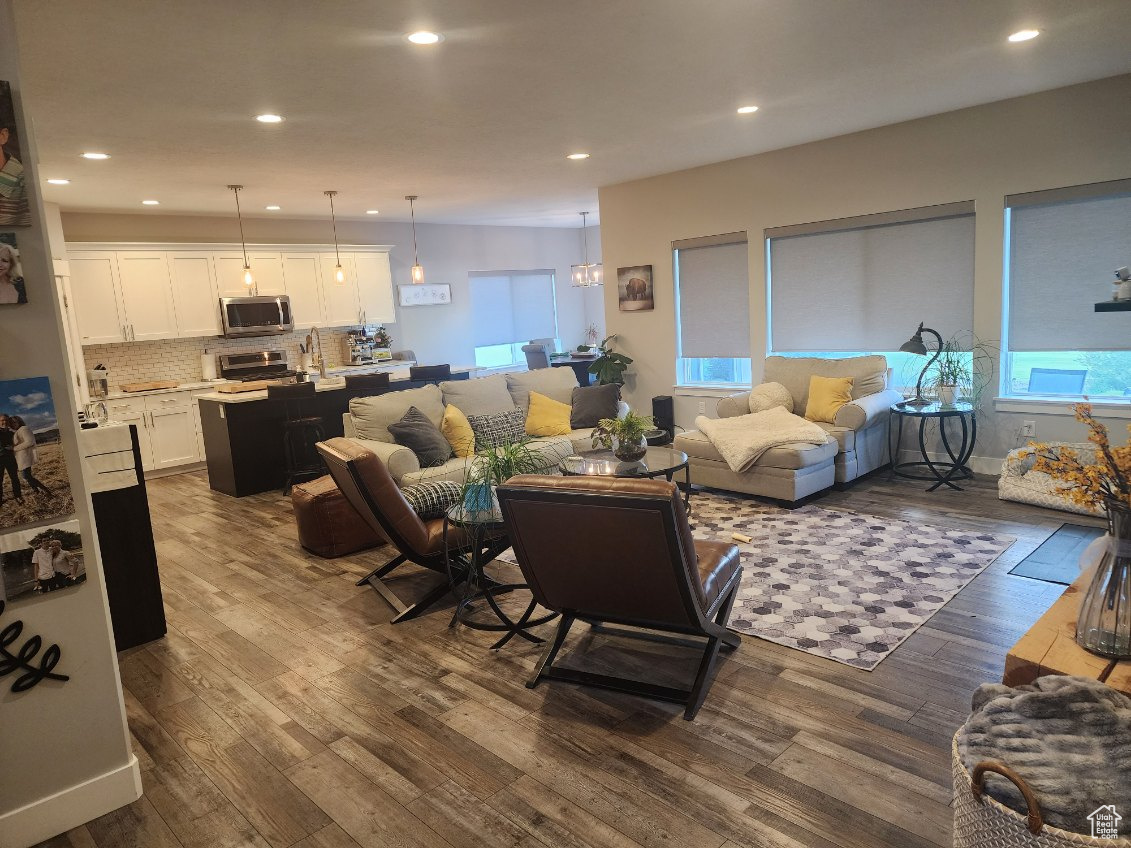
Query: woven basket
[[982, 822]]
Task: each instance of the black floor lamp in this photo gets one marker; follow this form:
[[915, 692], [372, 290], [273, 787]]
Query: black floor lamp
[[915, 345]]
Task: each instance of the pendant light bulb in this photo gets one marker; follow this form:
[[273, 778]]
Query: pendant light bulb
[[339, 274], [417, 268], [248, 279]]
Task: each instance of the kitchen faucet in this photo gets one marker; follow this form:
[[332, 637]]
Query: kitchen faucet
[[320, 359]]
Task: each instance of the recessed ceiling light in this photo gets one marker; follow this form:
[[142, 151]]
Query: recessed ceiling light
[[371, 211], [578, 156], [59, 182], [1024, 35], [150, 202], [272, 208], [747, 110], [270, 119], [96, 156], [424, 37]]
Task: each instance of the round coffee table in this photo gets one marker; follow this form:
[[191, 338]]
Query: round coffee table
[[656, 462], [941, 472]]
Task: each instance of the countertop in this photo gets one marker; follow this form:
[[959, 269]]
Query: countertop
[[183, 387]]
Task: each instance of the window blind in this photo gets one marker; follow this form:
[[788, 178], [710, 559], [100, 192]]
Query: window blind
[[512, 306], [714, 297], [1061, 258], [864, 284]]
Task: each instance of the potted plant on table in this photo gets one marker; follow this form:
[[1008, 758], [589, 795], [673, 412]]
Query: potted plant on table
[[1103, 625], [493, 466], [609, 366], [382, 344], [623, 436], [962, 370]]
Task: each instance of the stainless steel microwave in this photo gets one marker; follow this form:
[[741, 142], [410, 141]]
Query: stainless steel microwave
[[268, 315]]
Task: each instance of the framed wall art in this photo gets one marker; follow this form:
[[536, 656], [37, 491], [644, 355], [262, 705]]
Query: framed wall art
[[425, 295], [13, 193], [34, 485], [634, 288]]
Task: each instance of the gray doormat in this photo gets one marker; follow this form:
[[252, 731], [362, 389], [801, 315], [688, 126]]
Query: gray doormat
[[1057, 560]]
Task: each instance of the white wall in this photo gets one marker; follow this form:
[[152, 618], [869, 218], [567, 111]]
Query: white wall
[[1068, 136], [447, 252], [64, 751]]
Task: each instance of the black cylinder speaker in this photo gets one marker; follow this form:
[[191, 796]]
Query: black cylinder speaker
[[663, 413]]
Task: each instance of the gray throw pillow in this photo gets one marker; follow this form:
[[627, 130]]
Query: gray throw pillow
[[501, 428], [433, 499], [417, 433], [592, 403]]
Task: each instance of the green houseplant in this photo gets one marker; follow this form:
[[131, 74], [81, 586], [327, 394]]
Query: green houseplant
[[623, 436], [493, 466], [962, 370], [609, 366]]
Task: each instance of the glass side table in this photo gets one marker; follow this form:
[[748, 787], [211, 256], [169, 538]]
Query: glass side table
[[961, 416]]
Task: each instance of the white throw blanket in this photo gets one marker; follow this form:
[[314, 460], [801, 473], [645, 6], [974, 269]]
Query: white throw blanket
[[744, 438]]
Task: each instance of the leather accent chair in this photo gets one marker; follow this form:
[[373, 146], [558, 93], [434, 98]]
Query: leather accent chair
[[635, 564], [368, 486]]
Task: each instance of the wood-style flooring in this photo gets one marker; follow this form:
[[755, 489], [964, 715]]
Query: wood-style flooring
[[283, 709]]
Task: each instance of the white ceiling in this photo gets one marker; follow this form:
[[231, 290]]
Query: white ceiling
[[480, 124]]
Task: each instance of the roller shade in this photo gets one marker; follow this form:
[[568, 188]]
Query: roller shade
[[1061, 259], [865, 284], [714, 297], [512, 306]]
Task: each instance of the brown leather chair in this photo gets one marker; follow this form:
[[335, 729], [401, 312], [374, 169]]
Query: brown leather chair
[[368, 486], [635, 564]]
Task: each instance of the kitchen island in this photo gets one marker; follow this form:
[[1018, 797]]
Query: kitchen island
[[243, 432]]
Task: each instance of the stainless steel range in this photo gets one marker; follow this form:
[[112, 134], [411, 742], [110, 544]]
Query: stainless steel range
[[256, 365]]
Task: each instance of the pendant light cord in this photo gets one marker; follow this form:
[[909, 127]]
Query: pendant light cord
[[412, 212], [243, 241], [334, 223], [585, 241]]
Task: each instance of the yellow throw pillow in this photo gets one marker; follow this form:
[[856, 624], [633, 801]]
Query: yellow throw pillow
[[547, 417], [457, 430], [826, 396]]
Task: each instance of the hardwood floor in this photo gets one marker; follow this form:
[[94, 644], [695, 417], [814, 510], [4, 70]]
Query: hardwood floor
[[283, 709]]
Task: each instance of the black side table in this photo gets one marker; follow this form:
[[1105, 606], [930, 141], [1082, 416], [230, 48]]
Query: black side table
[[943, 472], [488, 540]]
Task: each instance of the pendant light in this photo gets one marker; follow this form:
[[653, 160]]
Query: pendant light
[[588, 274], [417, 268], [248, 279], [339, 274]]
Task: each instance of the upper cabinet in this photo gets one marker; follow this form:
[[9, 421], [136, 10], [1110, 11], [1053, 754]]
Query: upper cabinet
[[374, 288], [129, 293]]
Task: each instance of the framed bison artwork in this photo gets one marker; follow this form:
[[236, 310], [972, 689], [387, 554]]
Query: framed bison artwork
[[634, 288]]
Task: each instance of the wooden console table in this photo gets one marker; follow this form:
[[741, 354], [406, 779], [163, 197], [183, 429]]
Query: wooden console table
[[1049, 647]]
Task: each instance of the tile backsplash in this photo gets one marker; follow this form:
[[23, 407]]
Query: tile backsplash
[[179, 359]]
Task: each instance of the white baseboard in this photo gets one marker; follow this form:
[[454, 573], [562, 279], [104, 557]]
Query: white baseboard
[[78, 804], [980, 464]]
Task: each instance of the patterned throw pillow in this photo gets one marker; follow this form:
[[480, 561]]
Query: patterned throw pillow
[[432, 500], [500, 428]]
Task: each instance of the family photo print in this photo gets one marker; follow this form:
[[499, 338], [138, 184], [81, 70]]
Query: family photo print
[[33, 474], [13, 193], [11, 276], [40, 560]]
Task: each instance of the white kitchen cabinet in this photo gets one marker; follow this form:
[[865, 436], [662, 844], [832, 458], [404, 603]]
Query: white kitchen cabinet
[[94, 287], [300, 274], [195, 296], [132, 411], [173, 437], [340, 299], [266, 271], [146, 295], [374, 288]]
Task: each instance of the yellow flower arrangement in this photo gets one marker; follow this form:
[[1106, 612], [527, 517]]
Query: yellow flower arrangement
[[1083, 483]]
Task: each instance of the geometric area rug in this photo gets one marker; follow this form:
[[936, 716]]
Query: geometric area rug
[[840, 585]]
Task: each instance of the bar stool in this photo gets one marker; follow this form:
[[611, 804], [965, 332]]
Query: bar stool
[[300, 433], [429, 372], [364, 385]]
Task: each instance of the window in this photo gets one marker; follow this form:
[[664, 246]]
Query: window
[[509, 308], [1061, 248], [712, 310]]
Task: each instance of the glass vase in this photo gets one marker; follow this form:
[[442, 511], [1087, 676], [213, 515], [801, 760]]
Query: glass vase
[[1104, 623]]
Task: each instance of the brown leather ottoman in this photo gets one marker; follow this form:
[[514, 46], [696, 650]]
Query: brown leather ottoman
[[327, 524]]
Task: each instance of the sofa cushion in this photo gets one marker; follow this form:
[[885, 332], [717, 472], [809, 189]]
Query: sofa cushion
[[454, 469], [826, 396], [869, 374], [481, 396], [501, 428], [434, 498], [546, 416], [422, 437], [845, 437], [592, 403], [373, 415], [457, 430], [791, 456], [767, 396], [555, 383]]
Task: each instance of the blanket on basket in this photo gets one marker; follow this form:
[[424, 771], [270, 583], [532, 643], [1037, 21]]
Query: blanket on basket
[[744, 438]]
